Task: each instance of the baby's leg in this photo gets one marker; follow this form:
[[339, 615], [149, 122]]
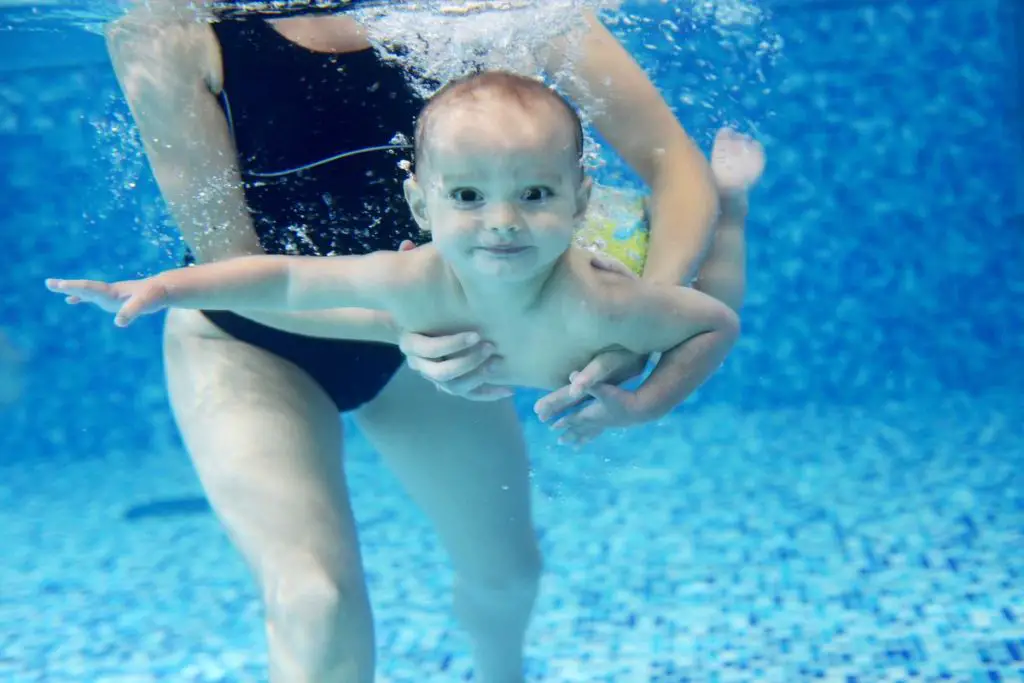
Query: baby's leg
[[737, 162]]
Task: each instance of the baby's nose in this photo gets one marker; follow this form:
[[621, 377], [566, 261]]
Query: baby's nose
[[503, 218]]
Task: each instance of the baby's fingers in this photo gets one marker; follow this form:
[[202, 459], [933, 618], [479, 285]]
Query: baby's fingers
[[77, 287], [136, 306], [55, 285]]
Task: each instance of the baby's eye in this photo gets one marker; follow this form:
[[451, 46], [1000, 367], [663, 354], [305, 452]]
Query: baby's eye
[[537, 194], [465, 195]]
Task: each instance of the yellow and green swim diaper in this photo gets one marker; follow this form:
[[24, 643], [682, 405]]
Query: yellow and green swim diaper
[[617, 224]]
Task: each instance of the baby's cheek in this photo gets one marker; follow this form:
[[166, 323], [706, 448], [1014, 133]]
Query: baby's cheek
[[553, 223]]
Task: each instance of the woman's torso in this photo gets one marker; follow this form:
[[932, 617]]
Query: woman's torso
[[290, 109]]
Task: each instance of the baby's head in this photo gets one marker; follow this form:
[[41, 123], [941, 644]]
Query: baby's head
[[498, 179]]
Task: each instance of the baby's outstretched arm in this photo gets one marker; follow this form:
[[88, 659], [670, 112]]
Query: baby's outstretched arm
[[264, 282]]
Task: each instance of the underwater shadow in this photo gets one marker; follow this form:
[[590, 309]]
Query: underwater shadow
[[169, 507]]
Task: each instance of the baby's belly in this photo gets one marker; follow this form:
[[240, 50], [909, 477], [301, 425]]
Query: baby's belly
[[545, 367]]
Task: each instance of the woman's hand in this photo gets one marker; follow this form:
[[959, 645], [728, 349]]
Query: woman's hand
[[457, 364]]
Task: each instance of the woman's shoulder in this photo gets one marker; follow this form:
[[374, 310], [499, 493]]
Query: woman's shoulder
[[164, 38], [164, 12]]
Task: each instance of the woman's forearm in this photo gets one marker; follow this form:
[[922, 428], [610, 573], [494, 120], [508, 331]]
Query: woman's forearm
[[632, 116], [684, 208]]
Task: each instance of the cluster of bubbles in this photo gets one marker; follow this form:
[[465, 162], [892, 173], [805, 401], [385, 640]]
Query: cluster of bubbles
[[716, 54], [121, 147], [439, 40], [443, 39], [719, 55]]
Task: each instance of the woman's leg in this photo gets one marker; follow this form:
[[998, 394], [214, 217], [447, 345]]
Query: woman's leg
[[465, 465], [266, 443]]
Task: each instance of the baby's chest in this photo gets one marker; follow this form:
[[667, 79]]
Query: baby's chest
[[541, 350], [538, 348], [540, 357]]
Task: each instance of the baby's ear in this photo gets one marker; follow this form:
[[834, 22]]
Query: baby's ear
[[583, 197], [417, 201]]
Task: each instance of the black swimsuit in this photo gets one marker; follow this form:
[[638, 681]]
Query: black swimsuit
[[291, 112]]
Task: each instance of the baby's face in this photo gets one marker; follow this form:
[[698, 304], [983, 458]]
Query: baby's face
[[502, 188]]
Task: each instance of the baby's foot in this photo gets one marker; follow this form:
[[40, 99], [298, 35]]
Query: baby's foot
[[737, 161]]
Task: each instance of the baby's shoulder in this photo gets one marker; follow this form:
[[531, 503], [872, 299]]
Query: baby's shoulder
[[602, 287], [414, 267], [421, 279]]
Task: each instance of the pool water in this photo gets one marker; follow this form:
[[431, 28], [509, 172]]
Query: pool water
[[844, 501]]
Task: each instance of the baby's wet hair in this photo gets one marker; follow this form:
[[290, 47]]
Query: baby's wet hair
[[505, 85]]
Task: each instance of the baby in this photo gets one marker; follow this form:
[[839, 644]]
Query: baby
[[499, 185]]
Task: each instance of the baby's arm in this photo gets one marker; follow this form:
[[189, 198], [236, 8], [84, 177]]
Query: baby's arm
[[264, 282], [694, 331]]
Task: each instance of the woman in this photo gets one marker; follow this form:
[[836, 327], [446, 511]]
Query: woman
[[237, 118]]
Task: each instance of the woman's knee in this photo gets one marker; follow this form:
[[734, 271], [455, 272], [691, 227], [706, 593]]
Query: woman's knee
[[516, 580], [311, 598], [319, 624]]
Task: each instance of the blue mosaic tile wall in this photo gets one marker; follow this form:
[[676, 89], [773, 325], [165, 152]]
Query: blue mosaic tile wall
[[885, 240]]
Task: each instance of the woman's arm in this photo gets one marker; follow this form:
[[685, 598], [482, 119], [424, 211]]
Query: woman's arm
[[169, 69], [631, 115], [629, 112]]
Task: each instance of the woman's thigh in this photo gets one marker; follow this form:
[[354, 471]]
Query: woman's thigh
[[266, 443], [465, 464]]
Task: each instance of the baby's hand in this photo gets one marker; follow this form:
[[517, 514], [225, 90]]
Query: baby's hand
[[612, 407], [129, 299], [608, 367]]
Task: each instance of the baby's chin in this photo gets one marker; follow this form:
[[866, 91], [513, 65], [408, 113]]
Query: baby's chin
[[513, 266]]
